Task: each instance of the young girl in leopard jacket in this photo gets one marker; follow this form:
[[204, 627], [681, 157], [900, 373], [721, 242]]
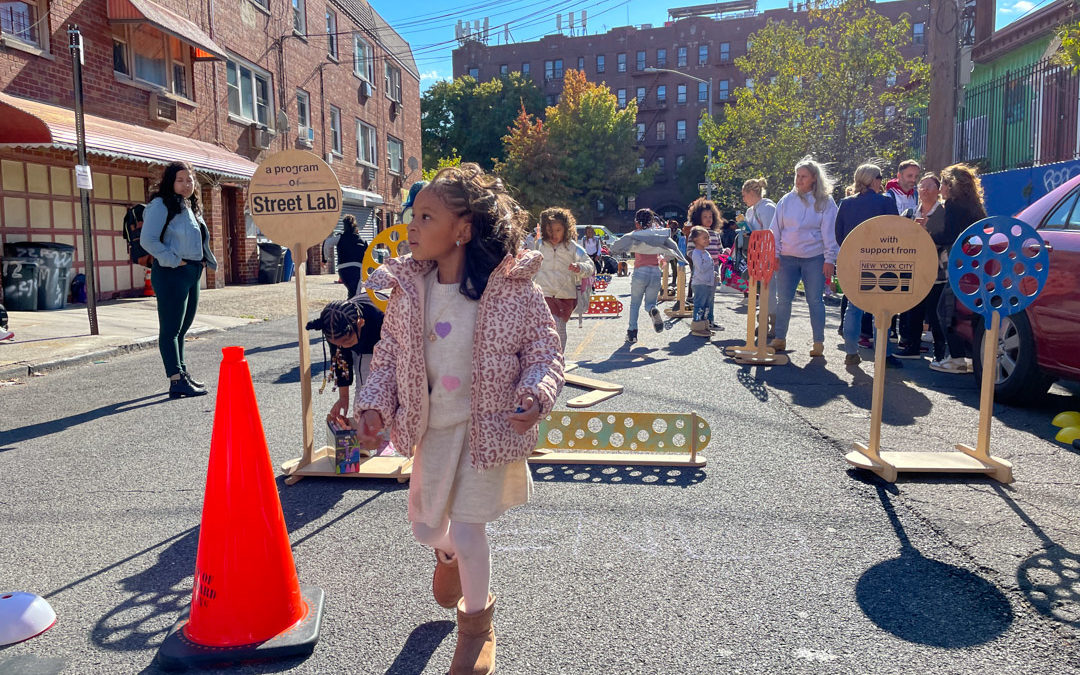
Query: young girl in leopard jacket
[[468, 363]]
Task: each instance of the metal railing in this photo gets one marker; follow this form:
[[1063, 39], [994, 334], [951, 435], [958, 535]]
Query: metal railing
[[1027, 117]]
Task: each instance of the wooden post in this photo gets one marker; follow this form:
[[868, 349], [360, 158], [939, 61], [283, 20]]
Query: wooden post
[[881, 348], [679, 310], [693, 436], [986, 399], [300, 258]]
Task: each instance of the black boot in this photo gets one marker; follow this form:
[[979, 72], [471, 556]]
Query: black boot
[[631, 336], [195, 383], [182, 387]]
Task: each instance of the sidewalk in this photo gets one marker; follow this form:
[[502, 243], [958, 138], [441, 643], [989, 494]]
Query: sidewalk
[[48, 340]]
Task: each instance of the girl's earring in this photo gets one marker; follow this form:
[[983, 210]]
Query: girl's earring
[[458, 243]]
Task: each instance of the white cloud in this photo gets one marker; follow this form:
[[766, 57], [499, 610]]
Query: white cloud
[[1018, 7], [433, 75]]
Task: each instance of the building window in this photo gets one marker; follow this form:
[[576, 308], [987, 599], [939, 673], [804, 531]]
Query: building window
[[890, 112], [392, 80], [890, 79], [750, 83], [249, 92], [474, 73], [600, 63], [504, 69], [620, 63], [331, 34], [553, 70], [551, 100], [680, 96], [363, 60], [640, 164], [621, 94], [641, 132], [750, 43], [641, 60], [120, 56], [703, 92], [680, 130], [661, 131], [366, 145], [661, 164], [681, 59], [265, 4], [722, 89], [335, 130], [661, 94], [918, 33], [661, 58], [299, 16], [525, 68], [679, 159], [640, 95], [303, 114], [19, 20], [725, 52], [702, 54], [581, 63], [395, 151], [558, 69]]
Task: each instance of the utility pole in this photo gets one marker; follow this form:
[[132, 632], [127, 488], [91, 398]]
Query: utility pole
[[943, 47], [75, 43]]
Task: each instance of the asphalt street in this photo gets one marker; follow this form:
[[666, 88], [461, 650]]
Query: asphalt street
[[774, 558]]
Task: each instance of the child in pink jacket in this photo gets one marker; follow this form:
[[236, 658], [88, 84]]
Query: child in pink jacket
[[468, 363]]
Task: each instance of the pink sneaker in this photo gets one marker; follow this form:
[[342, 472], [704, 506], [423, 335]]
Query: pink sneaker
[[6, 334]]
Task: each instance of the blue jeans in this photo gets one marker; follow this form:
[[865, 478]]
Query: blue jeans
[[703, 301], [644, 284], [812, 273], [853, 328]]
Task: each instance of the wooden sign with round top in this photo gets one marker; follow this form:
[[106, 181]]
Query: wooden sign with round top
[[998, 265], [887, 265], [295, 199], [761, 258], [395, 239]]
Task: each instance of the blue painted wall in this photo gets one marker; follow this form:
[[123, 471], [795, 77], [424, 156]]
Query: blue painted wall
[[1008, 192]]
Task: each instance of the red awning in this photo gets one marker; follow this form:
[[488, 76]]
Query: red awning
[[145, 11], [26, 123]]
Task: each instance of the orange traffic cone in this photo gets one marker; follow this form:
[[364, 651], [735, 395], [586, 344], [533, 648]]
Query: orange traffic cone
[[247, 602], [148, 288]]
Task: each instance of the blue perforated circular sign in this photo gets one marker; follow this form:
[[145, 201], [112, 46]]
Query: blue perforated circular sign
[[998, 265]]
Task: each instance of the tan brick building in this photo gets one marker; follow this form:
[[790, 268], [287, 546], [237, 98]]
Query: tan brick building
[[218, 83], [702, 41]]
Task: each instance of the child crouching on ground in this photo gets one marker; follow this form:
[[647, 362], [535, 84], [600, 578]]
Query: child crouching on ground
[[703, 281], [565, 265], [468, 363]]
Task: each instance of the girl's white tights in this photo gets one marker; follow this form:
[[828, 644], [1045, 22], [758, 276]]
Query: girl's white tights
[[560, 326], [468, 542]]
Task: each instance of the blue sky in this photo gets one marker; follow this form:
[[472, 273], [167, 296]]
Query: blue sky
[[429, 25]]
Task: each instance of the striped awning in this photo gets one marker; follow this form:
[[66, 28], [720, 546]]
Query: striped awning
[[26, 123], [202, 45]]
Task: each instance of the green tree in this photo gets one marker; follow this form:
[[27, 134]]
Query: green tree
[[590, 145], [441, 163], [1069, 52], [822, 90], [467, 119]]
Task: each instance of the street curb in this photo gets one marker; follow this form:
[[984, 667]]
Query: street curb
[[40, 368]]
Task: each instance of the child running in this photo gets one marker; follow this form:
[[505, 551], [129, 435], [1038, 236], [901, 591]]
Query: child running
[[703, 281], [468, 363], [565, 265]]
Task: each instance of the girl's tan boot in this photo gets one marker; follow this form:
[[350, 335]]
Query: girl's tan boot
[[475, 652]]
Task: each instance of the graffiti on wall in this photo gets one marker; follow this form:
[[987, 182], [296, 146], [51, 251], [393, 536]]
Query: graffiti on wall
[[1009, 192]]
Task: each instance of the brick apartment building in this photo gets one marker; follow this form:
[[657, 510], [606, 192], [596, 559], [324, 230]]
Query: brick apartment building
[[218, 83], [700, 41]]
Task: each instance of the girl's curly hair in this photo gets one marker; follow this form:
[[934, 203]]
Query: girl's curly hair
[[699, 206], [498, 222], [965, 187], [561, 216]]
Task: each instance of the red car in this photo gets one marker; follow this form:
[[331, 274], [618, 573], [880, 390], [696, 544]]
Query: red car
[[1042, 343]]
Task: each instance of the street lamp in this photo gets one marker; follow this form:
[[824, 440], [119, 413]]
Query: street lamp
[[708, 169]]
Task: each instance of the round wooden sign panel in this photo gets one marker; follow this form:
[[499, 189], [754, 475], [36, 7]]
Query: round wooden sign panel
[[887, 265], [295, 199]]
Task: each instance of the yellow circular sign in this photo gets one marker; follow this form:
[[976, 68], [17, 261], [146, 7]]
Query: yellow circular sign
[[887, 265], [295, 199]]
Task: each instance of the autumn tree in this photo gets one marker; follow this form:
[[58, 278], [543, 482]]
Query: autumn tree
[[838, 89], [585, 154], [467, 119]]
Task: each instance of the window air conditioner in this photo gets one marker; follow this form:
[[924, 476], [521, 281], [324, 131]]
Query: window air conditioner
[[261, 136], [364, 91], [162, 108]]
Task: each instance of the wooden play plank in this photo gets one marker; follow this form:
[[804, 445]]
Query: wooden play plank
[[371, 467], [755, 360], [592, 398], [590, 383], [621, 459]]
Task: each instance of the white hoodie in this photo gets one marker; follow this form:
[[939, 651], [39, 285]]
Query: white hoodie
[[555, 278], [802, 231]]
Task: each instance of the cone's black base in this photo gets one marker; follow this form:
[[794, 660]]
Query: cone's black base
[[177, 652]]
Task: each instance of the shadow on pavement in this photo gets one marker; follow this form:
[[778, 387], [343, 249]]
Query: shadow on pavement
[[625, 357], [28, 664], [1048, 579], [929, 602], [36, 431], [418, 648], [666, 476]]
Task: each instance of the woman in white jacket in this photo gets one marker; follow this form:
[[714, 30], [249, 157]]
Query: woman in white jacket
[[805, 231], [565, 265]]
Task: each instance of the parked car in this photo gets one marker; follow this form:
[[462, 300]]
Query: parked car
[[1042, 343]]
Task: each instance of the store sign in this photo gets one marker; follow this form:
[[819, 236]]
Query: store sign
[[295, 199]]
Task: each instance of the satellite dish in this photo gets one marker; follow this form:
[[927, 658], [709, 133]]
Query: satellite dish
[[413, 164]]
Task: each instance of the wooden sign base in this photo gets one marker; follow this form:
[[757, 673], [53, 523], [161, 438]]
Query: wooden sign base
[[763, 354], [679, 311], [322, 464]]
